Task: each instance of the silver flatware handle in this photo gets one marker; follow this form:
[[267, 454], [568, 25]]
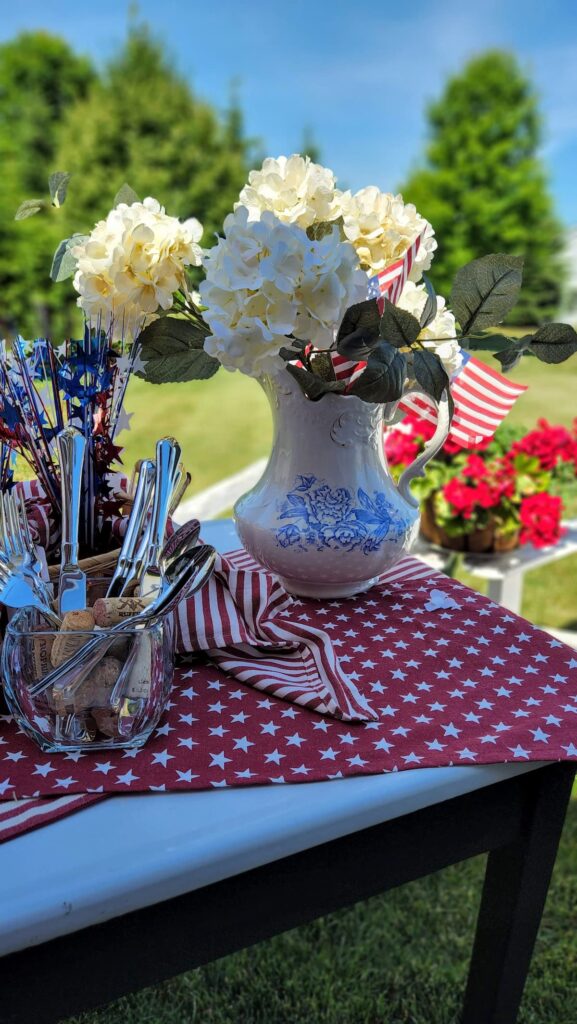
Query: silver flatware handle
[[71, 449], [167, 460], [137, 519]]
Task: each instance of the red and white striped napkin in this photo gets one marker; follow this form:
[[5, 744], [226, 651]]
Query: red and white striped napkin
[[247, 624], [18, 816]]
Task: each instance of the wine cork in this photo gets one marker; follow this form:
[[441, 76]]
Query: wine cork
[[41, 652], [95, 691], [120, 648], [138, 683], [65, 643], [106, 721], [108, 611]]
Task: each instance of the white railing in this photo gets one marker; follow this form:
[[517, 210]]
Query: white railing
[[220, 497]]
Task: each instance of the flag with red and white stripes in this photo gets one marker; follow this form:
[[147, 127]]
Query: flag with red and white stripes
[[482, 399], [389, 283]]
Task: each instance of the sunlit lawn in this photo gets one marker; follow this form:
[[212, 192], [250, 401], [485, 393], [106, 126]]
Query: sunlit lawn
[[222, 424]]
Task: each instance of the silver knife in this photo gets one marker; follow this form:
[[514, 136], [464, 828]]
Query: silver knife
[[72, 588], [167, 472]]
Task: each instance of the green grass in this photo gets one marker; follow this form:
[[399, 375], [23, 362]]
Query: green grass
[[552, 391], [397, 959], [223, 424]]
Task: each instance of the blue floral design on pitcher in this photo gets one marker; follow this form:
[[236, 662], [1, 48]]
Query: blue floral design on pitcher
[[323, 517]]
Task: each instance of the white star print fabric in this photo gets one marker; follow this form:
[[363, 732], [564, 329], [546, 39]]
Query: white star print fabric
[[451, 680]]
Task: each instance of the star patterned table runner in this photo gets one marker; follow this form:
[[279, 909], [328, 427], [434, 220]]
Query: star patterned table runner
[[453, 677]]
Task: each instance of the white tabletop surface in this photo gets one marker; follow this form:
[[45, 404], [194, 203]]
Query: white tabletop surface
[[131, 851]]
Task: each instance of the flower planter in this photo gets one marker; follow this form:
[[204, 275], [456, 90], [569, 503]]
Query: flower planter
[[488, 541]]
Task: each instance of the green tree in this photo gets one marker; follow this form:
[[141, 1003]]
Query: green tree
[[140, 123], [484, 188], [309, 145], [40, 78]]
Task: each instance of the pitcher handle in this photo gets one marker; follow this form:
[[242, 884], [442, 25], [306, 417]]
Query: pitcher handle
[[432, 446]]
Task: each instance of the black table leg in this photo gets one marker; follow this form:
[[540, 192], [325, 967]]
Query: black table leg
[[516, 883]]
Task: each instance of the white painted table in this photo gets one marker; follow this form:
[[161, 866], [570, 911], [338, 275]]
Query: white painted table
[[505, 573], [121, 861]]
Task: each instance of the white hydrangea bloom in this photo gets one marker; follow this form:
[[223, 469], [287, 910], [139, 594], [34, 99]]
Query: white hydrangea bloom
[[132, 264], [413, 299], [266, 280], [382, 227], [294, 188]]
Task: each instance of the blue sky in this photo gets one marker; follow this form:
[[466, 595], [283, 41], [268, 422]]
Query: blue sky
[[358, 74]]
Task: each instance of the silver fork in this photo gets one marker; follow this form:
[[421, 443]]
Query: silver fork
[[17, 590], [18, 550]]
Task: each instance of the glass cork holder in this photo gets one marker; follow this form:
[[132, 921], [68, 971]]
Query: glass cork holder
[[111, 700]]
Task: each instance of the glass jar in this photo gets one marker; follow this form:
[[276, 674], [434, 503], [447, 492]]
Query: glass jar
[[111, 700]]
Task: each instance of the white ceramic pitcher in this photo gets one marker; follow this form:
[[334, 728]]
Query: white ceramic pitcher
[[326, 515]]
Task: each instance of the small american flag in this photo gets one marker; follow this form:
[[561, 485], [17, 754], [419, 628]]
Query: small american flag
[[482, 399], [389, 283], [482, 396]]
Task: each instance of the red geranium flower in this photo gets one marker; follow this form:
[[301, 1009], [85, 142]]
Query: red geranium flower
[[540, 516], [550, 445]]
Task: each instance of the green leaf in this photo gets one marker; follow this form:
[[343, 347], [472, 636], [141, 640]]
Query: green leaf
[[397, 326], [292, 352], [359, 344], [172, 351], [429, 373], [63, 262], [512, 354], [359, 330], [127, 195], [383, 378], [317, 231], [361, 315], [486, 342], [554, 343], [322, 365], [313, 386], [58, 185], [29, 207], [485, 290], [430, 308]]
